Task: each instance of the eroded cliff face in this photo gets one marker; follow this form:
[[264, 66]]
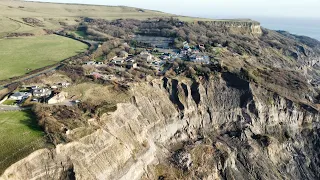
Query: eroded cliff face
[[221, 128], [240, 27]]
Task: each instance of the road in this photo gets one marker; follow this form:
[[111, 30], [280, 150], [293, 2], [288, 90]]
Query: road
[[34, 74]]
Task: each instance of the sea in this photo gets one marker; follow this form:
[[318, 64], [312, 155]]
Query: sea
[[300, 26]]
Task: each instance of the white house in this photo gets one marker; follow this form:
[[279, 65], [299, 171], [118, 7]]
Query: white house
[[20, 95], [144, 52], [118, 61], [148, 57], [198, 58], [41, 92], [186, 45]]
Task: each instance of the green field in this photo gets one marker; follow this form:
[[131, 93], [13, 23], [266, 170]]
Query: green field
[[19, 56], [19, 136], [51, 14]]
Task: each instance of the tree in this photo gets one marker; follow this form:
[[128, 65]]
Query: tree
[[111, 55], [132, 51]]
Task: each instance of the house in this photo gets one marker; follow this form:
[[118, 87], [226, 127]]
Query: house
[[20, 95], [148, 57], [93, 63], [186, 45], [131, 63], [124, 54], [144, 52], [34, 87], [117, 61], [198, 58], [60, 97], [41, 92], [157, 64], [164, 57], [183, 52], [64, 84]]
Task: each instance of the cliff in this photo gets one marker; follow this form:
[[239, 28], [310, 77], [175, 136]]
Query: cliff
[[235, 26], [220, 128]]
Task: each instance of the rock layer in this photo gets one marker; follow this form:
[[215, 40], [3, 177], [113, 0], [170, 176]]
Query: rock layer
[[253, 134]]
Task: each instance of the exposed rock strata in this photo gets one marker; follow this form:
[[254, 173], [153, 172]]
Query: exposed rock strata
[[253, 134]]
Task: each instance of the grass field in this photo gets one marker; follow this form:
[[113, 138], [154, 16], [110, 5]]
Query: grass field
[[20, 55], [53, 13], [9, 102], [19, 136]]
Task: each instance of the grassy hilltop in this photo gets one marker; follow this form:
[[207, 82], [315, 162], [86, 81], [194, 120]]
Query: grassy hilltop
[[52, 15]]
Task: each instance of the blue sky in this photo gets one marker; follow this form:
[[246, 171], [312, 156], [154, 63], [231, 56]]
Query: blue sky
[[220, 8]]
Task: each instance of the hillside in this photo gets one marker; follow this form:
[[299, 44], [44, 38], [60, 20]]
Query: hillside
[[161, 98], [247, 109], [54, 16]]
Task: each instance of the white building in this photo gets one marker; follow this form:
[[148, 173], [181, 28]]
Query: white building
[[20, 95], [148, 57], [118, 61], [41, 92]]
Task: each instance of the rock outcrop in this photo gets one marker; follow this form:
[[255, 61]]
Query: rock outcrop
[[245, 26], [221, 128]]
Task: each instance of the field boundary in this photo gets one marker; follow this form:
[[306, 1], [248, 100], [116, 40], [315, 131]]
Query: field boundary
[[20, 22], [50, 68]]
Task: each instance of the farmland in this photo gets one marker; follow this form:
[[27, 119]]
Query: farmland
[[19, 56], [52, 15], [19, 136]]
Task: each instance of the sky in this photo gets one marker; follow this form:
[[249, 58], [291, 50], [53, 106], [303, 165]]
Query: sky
[[220, 8]]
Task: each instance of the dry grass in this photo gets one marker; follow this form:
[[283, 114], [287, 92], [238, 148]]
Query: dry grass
[[97, 94], [50, 79], [52, 13], [3, 93]]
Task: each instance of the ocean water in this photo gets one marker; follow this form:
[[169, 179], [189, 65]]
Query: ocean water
[[307, 27]]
